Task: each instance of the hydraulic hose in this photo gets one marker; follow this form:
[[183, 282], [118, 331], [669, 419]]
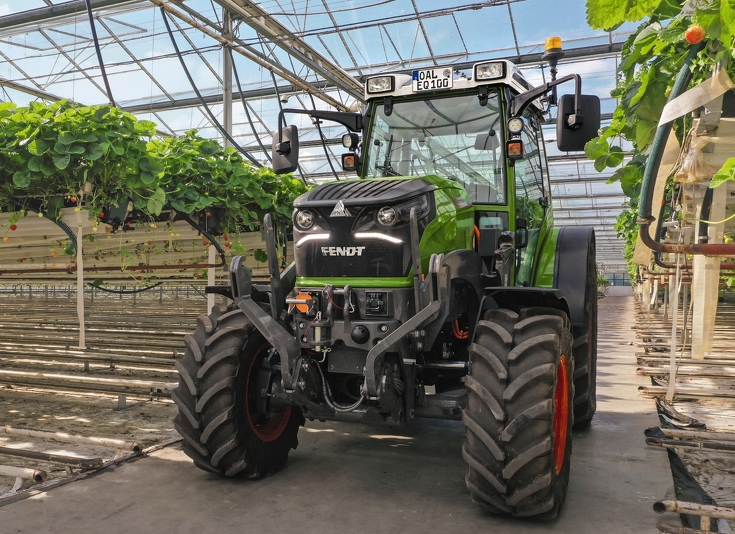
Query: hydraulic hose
[[659, 141], [326, 390]]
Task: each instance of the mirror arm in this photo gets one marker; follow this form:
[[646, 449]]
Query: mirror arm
[[352, 121], [521, 102]]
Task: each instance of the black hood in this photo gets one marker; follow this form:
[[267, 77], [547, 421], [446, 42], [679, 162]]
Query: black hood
[[363, 192]]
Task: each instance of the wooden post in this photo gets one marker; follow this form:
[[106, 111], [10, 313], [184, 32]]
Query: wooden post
[[706, 280], [80, 282], [671, 390]]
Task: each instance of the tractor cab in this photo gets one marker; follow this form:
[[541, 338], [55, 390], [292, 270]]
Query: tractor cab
[[479, 129]]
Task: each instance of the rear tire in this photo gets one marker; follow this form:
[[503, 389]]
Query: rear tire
[[222, 431], [519, 412], [585, 352]]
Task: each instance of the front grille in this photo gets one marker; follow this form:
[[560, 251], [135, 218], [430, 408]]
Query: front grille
[[344, 256]]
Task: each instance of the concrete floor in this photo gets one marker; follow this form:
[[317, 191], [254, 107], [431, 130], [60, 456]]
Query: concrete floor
[[356, 478]]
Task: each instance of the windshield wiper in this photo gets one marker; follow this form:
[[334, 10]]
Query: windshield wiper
[[387, 169]]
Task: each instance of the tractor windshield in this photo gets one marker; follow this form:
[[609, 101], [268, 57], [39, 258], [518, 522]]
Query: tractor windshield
[[454, 137]]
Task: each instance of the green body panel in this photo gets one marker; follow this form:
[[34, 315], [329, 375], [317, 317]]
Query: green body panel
[[546, 263], [451, 229]]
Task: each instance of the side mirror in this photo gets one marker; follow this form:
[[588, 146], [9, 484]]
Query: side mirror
[[569, 139], [521, 234], [286, 153]]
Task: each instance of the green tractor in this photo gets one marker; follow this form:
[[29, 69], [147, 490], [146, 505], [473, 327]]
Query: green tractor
[[434, 286]]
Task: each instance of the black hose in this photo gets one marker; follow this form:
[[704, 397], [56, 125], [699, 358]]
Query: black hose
[[99, 52], [124, 291], [245, 106], [326, 390], [321, 136], [199, 95]]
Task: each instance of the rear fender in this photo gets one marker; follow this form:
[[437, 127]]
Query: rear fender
[[515, 298], [573, 247]]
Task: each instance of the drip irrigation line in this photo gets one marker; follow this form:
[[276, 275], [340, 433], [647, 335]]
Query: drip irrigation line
[[214, 120], [124, 291], [317, 123], [245, 105], [99, 53]]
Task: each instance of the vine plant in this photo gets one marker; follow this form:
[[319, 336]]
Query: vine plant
[[96, 158], [650, 60]]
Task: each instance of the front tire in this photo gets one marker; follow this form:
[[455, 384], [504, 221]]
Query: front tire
[[223, 430], [519, 412]]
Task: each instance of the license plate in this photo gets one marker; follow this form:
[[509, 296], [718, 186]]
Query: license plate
[[432, 79]]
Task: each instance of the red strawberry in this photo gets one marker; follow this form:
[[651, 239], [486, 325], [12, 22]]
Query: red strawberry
[[13, 227], [694, 34]]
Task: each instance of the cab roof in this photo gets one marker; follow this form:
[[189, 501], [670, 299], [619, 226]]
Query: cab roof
[[403, 84]]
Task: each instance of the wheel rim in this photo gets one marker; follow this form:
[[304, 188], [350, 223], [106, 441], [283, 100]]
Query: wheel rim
[[561, 414], [264, 427]]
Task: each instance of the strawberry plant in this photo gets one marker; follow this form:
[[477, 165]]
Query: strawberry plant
[[98, 158]]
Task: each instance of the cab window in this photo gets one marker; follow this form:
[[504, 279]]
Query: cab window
[[453, 137]]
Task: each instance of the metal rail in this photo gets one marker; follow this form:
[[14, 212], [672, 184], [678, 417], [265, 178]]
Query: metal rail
[[706, 513], [72, 461], [63, 437]]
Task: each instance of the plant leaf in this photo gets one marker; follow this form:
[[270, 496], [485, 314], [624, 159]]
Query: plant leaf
[[607, 14], [61, 161], [21, 179], [38, 147], [67, 138], [725, 174], [596, 148]]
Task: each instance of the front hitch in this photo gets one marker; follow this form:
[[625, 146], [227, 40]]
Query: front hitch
[[281, 339]]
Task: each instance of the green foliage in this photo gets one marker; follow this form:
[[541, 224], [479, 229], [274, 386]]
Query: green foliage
[[529, 209], [609, 14], [626, 228], [48, 152], [650, 60], [725, 174]]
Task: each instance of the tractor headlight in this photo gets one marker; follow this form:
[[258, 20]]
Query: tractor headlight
[[515, 125], [304, 219], [386, 216], [380, 84], [489, 71]]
